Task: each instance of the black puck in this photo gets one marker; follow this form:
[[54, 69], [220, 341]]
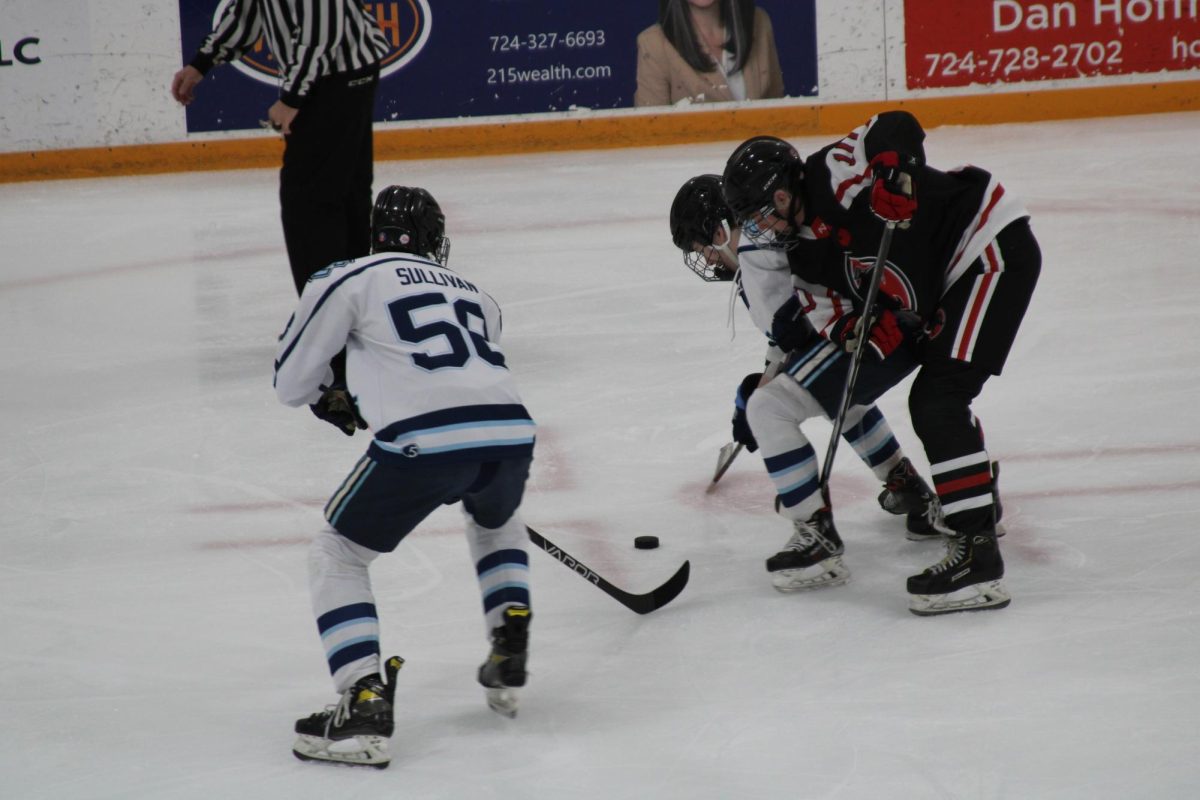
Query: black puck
[[645, 542]]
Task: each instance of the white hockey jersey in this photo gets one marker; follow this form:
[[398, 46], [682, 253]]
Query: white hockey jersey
[[422, 360], [765, 281]]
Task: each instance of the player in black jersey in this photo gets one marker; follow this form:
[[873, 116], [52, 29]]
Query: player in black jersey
[[959, 276]]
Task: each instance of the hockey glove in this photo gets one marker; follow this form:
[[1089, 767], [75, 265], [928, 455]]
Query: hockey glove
[[336, 407], [741, 428], [790, 328], [886, 335], [892, 198]]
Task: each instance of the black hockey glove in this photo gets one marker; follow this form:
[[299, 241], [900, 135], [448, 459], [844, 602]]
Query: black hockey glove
[[336, 407], [790, 328], [741, 428]]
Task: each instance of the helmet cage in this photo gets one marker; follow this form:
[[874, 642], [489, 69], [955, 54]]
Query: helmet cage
[[697, 213], [698, 262], [759, 228]]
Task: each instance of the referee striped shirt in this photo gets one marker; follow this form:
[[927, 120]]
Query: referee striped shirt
[[309, 39]]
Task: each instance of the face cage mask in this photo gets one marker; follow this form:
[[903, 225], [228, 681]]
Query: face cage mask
[[765, 238], [697, 262], [442, 254]]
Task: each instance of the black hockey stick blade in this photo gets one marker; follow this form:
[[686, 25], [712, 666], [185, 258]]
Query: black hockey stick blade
[[639, 603]]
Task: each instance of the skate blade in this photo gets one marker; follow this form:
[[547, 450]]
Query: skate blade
[[827, 573], [929, 535], [363, 751], [503, 700], [979, 597], [919, 530]]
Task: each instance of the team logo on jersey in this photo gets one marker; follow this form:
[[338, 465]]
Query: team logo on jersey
[[405, 23], [893, 283]]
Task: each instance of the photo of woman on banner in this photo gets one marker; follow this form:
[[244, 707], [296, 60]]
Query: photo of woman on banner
[[706, 51]]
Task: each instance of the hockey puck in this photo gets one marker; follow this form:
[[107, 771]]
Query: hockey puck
[[645, 542]]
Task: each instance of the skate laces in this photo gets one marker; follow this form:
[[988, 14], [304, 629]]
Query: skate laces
[[336, 714], [807, 535], [933, 515], [804, 536], [956, 548]]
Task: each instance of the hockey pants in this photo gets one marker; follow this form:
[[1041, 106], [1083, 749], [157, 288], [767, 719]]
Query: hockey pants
[[775, 413]]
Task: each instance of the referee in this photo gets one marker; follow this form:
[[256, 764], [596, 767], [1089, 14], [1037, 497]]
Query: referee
[[328, 53]]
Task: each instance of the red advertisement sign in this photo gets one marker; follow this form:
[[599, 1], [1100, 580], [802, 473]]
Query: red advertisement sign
[[963, 42]]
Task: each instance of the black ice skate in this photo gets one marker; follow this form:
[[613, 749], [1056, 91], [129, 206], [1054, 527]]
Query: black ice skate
[[356, 730], [812, 558], [907, 493], [996, 498], [967, 579], [504, 671]]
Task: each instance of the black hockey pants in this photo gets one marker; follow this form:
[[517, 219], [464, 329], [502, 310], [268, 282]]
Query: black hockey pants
[[980, 323]]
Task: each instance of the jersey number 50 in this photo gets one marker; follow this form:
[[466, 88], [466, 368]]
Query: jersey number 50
[[456, 336]]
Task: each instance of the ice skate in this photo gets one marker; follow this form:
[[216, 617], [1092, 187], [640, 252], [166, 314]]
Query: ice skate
[[925, 524], [812, 558], [356, 730], [907, 493], [929, 523], [996, 498], [504, 671], [967, 579], [905, 490]]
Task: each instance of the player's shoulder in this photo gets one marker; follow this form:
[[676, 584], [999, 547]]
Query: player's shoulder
[[346, 267], [751, 257]]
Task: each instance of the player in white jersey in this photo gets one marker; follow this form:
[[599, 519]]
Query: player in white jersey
[[425, 374], [769, 411]]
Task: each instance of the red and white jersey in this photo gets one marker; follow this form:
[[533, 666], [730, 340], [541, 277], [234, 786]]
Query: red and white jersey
[[959, 213]]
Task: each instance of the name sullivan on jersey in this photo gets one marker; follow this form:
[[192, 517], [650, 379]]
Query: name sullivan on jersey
[[413, 275]]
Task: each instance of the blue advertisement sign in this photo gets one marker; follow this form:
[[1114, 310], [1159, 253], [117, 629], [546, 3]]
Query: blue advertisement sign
[[472, 58]]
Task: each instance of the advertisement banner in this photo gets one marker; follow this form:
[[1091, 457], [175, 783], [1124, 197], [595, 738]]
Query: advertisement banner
[[956, 43], [453, 59]]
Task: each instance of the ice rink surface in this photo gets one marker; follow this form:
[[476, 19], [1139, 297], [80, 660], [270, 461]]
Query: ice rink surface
[[156, 501]]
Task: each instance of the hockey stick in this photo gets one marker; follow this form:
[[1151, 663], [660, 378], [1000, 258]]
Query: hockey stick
[[868, 321], [725, 459], [730, 451], [640, 603]]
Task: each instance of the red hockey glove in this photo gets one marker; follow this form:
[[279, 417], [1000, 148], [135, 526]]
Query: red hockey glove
[[892, 197], [886, 335]]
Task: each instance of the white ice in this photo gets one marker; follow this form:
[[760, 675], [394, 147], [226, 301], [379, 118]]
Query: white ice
[[155, 501]]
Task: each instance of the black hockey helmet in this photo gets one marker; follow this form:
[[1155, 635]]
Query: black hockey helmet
[[408, 220], [697, 212], [756, 169]]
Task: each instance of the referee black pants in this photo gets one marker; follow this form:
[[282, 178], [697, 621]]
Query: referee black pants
[[328, 166]]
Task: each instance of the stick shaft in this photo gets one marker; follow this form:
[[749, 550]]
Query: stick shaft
[[868, 321]]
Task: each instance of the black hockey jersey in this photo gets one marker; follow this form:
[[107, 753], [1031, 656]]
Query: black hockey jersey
[[958, 213]]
